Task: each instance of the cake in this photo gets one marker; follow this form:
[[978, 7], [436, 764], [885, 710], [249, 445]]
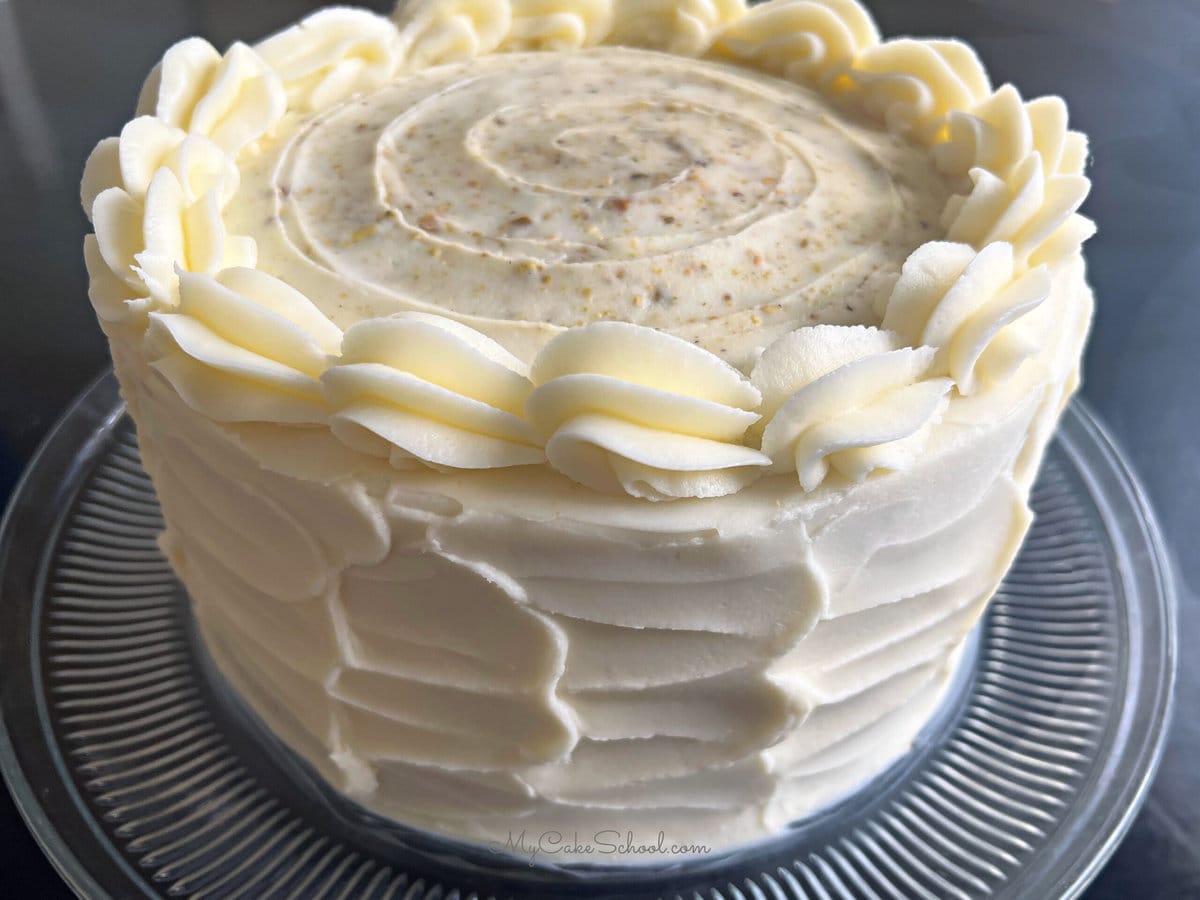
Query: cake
[[604, 418]]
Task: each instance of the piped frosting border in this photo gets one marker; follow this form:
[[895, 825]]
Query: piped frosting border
[[614, 406]]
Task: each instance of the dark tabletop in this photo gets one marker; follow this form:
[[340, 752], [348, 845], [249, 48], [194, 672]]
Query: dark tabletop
[[1130, 70]]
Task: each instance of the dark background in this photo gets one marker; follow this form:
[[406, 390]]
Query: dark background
[[1130, 70]]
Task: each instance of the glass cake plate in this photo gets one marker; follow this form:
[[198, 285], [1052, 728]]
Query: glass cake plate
[[142, 776]]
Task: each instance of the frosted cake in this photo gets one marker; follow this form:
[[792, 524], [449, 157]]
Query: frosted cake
[[591, 416]]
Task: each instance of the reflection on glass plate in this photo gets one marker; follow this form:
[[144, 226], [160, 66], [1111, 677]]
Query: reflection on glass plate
[[141, 775]]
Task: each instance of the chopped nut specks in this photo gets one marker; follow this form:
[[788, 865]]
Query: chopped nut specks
[[605, 184]]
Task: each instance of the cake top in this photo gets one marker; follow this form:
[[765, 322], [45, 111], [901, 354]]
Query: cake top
[[520, 191], [763, 242]]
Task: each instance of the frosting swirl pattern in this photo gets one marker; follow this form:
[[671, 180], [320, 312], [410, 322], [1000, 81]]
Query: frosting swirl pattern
[[505, 214], [417, 388], [912, 85], [960, 302], [332, 54], [148, 144], [422, 550], [1033, 212], [244, 347], [559, 24], [142, 242], [522, 196], [435, 32], [802, 40], [624, 408], [682, 27], [1000, 131], [854, 399], [233, 99]]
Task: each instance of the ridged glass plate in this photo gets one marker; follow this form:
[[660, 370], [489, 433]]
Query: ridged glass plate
[[141, 776]]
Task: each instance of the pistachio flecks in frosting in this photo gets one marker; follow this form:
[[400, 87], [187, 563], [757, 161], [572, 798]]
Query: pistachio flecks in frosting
[[426, 166], [533, 192], [422, 549]]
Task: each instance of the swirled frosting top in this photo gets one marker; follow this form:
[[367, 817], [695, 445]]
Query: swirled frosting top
[[526, 193], [782, 245]]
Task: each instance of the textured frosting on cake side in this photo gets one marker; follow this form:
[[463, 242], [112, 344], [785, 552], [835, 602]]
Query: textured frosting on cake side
[[545, 450]]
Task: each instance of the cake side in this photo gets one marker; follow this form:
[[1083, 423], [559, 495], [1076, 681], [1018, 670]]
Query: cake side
[[601, 577], [529, 655]]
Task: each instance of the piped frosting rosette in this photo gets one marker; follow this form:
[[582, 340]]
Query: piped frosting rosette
[[683, 27], [244, 347], [233, 99], [960, 303], [626, 408], [853, 399], [615, 407], [1021, 163], [558, 24], [812, 41], [333, 54], [133, 257], [423, 389]]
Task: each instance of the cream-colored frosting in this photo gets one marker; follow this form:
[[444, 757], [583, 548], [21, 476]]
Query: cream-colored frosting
[[363, 205], [420, 388], [626, 408], [857, 400], [407, 435], [244, 345], [524, 194], [485, 653]]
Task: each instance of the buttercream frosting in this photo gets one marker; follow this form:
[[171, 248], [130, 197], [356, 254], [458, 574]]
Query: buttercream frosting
[[527, 194], [424, 389], [613, 438]]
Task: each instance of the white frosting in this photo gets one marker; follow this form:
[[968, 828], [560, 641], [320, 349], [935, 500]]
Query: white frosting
[[422, 549], [914, 84], [859, 402], [682, 27], [417, 388], [626, 408], [1033, 212], [434, 32], [960, 302], [332, 54], [802, 40], [558, 24], [244, 347], [141, 242], [529, 656], [999, 131], [232, 99]]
